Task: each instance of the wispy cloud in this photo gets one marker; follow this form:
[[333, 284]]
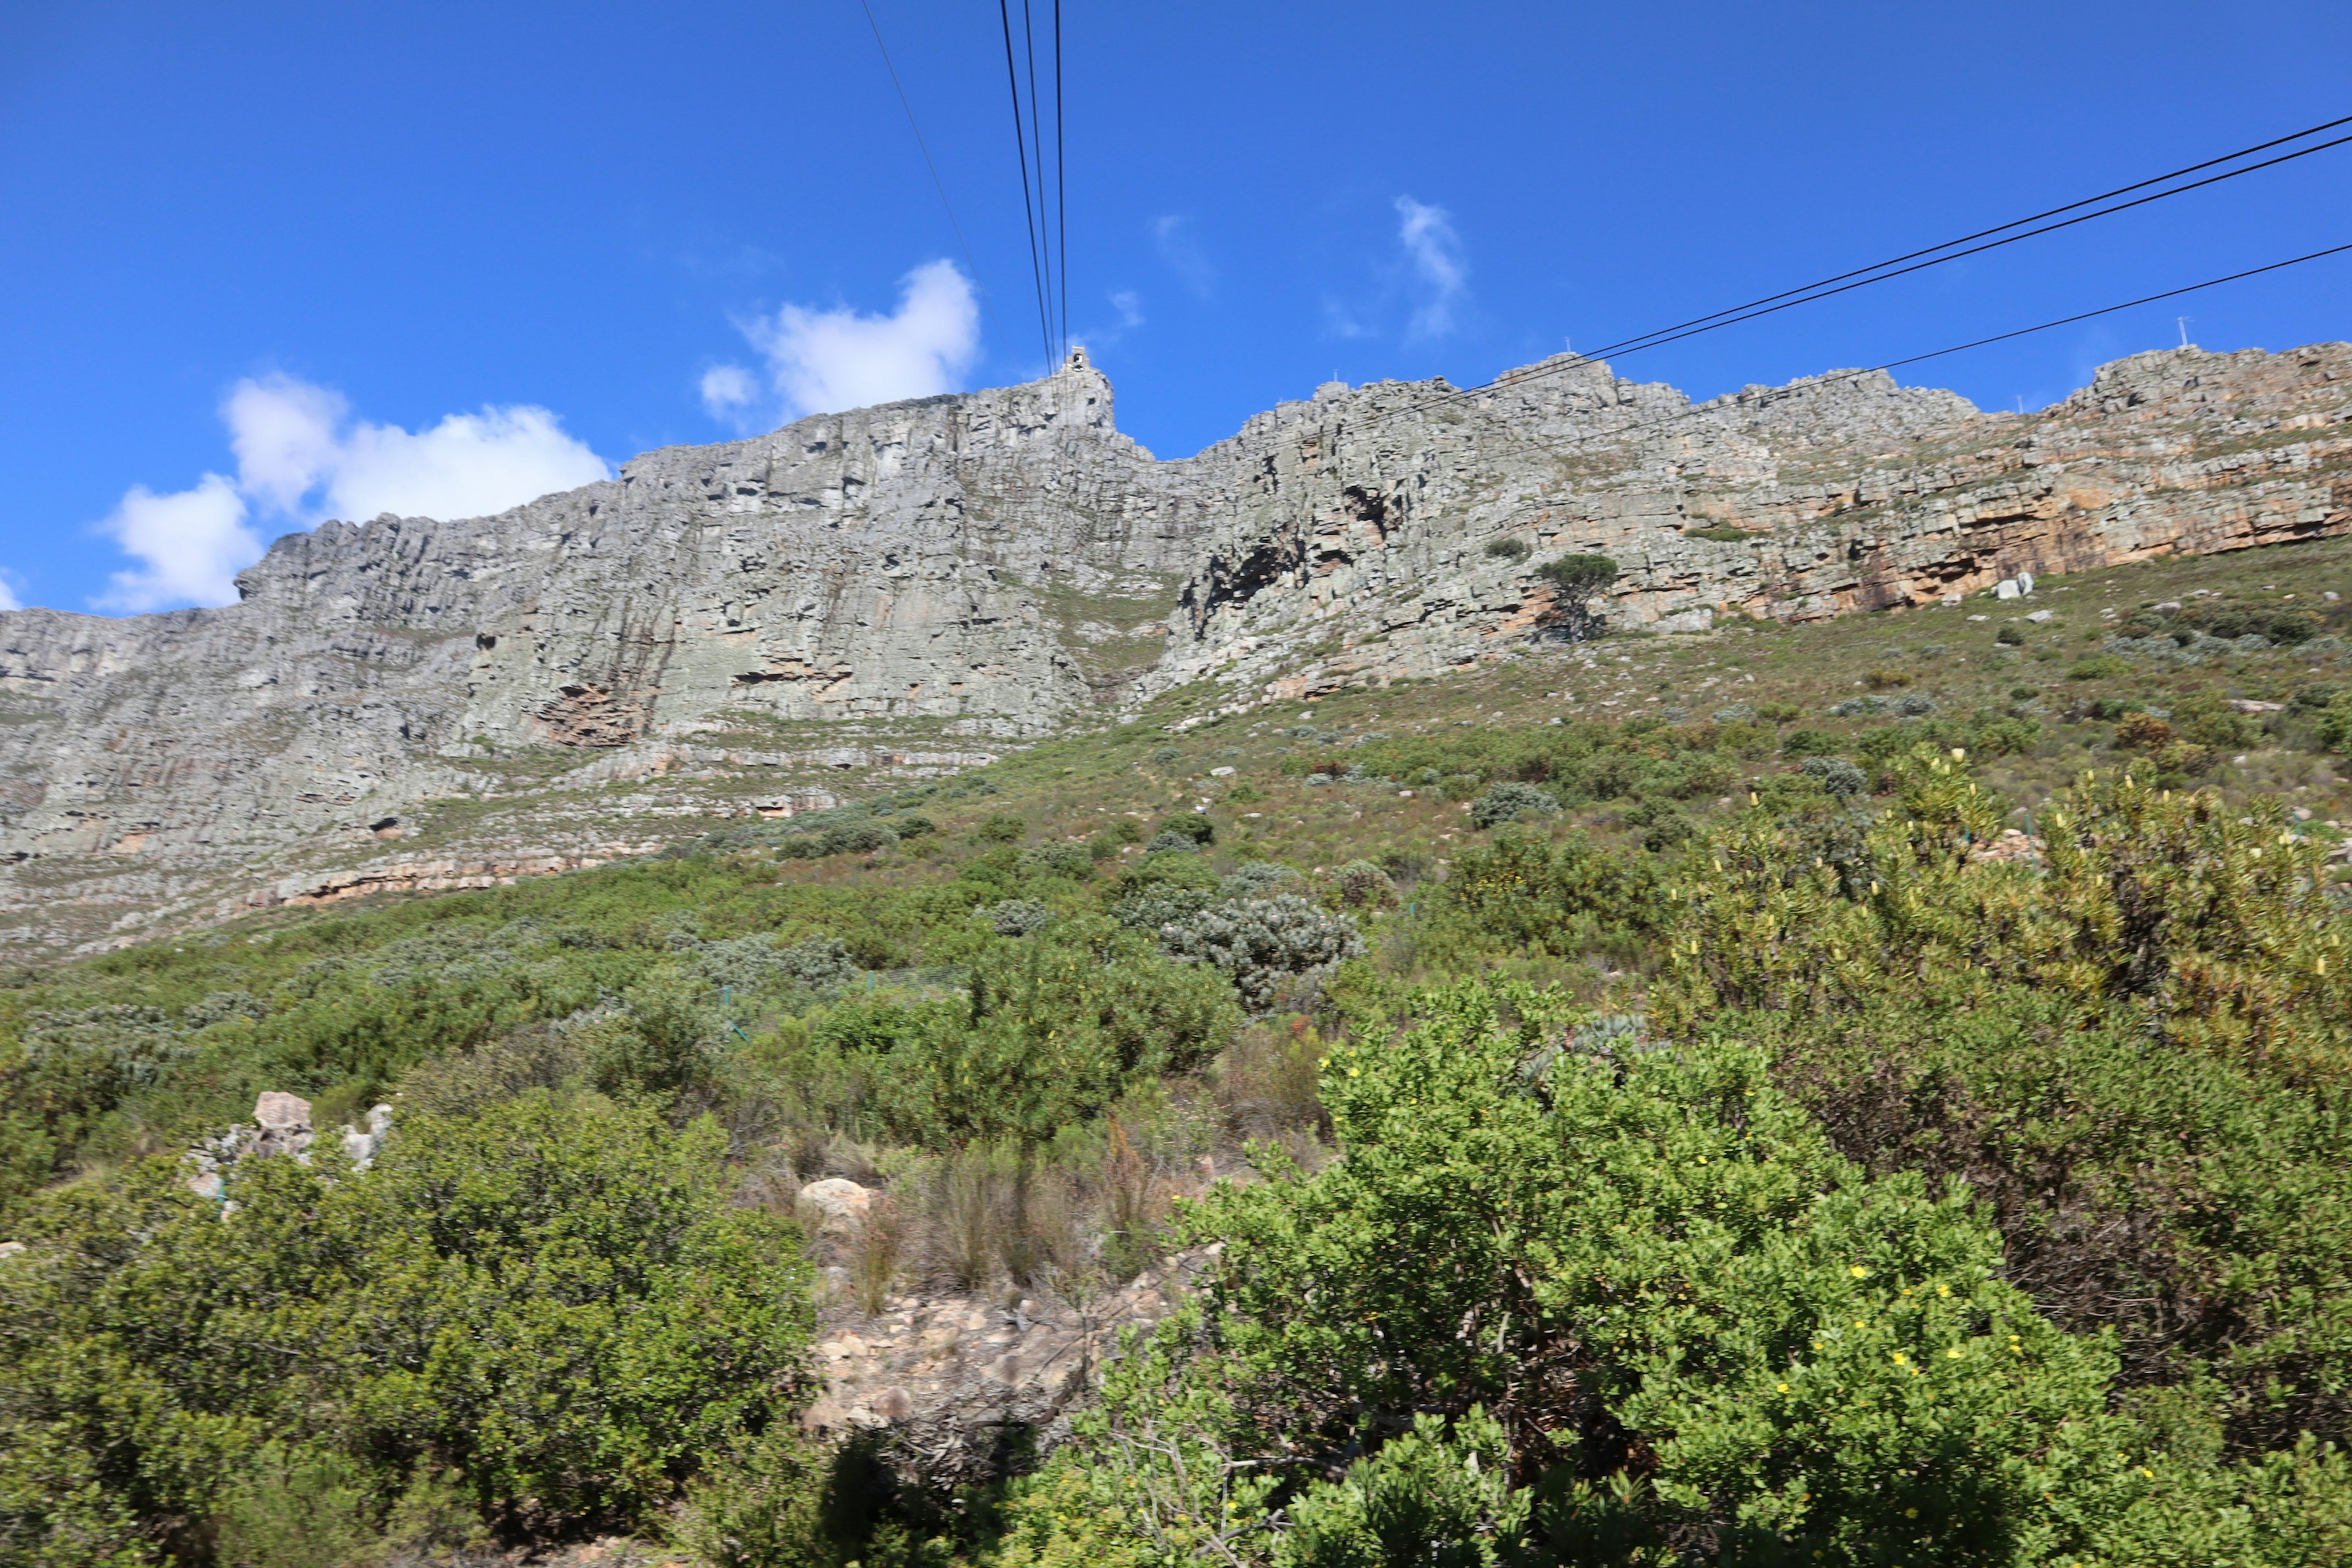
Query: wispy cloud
[[728, 392], [1441, 275], [301, 458], [1127, 309], [1173, 237], [821, 362], [8, 600]]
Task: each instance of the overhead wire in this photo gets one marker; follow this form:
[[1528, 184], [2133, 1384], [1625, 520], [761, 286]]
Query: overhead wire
[[924, 147], [1036, 266], [1061, 180], [1037, 150], [1703, 411], [1879, 272]]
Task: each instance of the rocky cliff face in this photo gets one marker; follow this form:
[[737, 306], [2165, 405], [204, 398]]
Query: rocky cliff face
[[1381, 534], [896, 590]]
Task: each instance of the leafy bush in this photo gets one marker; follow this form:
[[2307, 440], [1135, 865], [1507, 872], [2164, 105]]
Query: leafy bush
[[1000, 828], [1260, 943], [1360, 885], [1163, 886], [1648, 1286], [1074, 861], [1506, 803], [489, 1302], [1190, 825], [1508, 548], [1566, 900], [2185, 1203], [1841, 779], [1051, 1032], [1019, 917]]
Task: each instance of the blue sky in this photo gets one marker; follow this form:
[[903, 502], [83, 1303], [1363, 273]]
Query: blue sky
[[261, 263]]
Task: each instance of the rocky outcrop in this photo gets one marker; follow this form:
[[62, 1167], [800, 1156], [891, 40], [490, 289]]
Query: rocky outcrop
[[874, 592], [280, 1125], [1394, 532]]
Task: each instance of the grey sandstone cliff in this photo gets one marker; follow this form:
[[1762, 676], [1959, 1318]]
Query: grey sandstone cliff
[[902, 590]]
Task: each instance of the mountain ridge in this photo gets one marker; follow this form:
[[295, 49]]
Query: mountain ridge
[[916, 585]]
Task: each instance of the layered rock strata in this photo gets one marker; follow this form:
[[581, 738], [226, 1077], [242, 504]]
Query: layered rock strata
[[904, 590]]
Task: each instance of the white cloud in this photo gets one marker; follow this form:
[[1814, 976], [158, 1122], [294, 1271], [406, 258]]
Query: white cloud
[[829, 361], [1435, 251], [729, 393], [1127, 306], [300, 460], [193, 543], [469, 465], [8, 600], [283, 433]]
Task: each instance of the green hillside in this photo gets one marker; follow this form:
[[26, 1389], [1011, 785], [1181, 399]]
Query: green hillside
[[1871, 1092]]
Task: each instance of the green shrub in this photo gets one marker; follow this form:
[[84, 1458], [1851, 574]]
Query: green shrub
[[761, 1504], [554, 1304], [1260, 944], [2187, 1203], [1509, 802], [1567, 899], [1051, 1031], [1755, 1343], [1074, 861]]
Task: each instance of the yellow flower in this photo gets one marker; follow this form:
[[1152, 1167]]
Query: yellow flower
[[1859, 1272], [1943, 1289], [1898, 1358], [1784, 1388], [1954, 1353]]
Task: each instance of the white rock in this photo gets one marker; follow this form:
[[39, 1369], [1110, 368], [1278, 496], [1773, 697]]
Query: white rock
[[840, 1200], [1221, 772], [279, 1112], [2040, 616], [2007, 588], [2025, 582]]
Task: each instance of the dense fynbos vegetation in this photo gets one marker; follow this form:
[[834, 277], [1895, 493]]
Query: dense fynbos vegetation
[[1779, 1136]]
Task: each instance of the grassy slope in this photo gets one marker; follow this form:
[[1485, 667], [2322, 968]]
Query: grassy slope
[[890, 906]]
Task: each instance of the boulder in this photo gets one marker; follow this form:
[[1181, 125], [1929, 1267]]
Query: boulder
[[278, 1113], [841, 1202]]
